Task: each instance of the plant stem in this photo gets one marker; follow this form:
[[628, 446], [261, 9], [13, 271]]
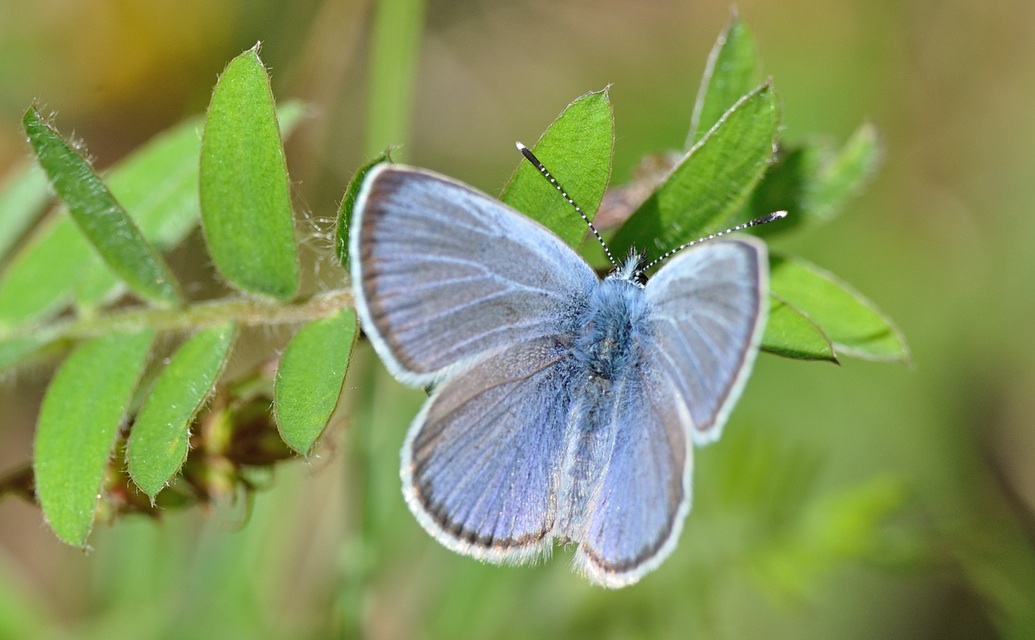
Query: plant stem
[[244, 311], [397, 29]]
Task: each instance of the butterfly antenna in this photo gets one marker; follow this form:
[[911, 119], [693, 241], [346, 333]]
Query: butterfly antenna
[[525, 151], [776, 215]]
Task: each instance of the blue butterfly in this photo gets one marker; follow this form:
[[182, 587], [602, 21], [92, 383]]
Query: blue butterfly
[[564, 406]]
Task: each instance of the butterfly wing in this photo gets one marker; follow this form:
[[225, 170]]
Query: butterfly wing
[[636, 510], [709, 311], [480, 464], [443, 273]]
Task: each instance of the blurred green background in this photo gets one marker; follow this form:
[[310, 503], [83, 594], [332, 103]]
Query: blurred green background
[[860, 501]]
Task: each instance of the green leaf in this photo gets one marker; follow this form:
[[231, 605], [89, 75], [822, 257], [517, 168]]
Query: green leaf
[[21, 199], [732, 71], [706, 188], [158, 440], [309, 379], [78, 423], [40, 279], [782, 189], [577, 149], [348, 202], [813, 182], [791, 334], [847, 525], [842, 176], [853, 324], [16, 350], [158, 186], [245, 197], [100, 216]]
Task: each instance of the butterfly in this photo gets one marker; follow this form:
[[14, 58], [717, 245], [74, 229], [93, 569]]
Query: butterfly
[[564, 406]]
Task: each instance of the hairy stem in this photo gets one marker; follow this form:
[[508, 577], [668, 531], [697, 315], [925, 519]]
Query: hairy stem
[[244, 311]]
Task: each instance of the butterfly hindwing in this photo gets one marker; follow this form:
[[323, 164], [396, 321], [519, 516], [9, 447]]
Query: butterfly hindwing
[[642, 494], [481, 462]]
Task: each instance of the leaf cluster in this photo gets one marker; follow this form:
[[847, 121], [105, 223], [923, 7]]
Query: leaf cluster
[[91, 278], [90, 281]]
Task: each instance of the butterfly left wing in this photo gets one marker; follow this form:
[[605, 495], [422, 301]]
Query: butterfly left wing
[[481, 461]]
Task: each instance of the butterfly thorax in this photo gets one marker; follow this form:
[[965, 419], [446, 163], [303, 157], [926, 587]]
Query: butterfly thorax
[[606, 345]]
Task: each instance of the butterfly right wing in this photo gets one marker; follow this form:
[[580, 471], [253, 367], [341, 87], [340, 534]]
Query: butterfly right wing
[[631, 519], [481, 463], [443, 273], [709, 311]]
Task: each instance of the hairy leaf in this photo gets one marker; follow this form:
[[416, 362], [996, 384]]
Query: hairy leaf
[[341, 244], [309, 379], [158, 440], [78, 423], [100, 216], [245, 197]]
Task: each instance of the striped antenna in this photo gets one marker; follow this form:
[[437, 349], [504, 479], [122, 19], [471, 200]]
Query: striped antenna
[[776, 215], [525, 151], [640, 274]]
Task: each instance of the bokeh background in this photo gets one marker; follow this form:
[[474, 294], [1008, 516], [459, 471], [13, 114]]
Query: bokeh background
[[861, 501]]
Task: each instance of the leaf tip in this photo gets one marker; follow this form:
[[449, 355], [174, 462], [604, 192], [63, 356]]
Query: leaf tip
[[868, 130], [75, 539], [33, 119], [868, 134]]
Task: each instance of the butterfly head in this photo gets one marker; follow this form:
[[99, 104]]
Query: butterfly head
[[631, 269]]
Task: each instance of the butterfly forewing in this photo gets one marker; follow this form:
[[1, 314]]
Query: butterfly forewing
[[709, 312], [444, 273]]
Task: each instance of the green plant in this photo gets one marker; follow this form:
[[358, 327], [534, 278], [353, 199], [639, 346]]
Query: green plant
[[91, 279]]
